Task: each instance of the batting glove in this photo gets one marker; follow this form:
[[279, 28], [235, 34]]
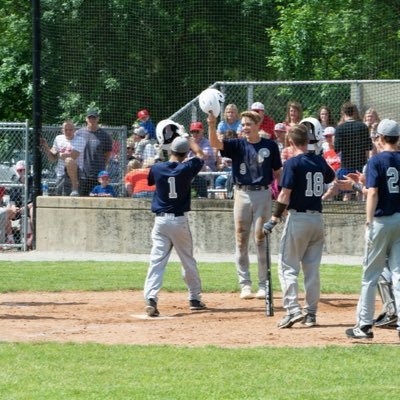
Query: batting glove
[[268, 226]]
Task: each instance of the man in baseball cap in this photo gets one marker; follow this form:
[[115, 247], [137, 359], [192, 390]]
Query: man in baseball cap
[[144, 120], [92, 112], [267, 124], [280, 134]]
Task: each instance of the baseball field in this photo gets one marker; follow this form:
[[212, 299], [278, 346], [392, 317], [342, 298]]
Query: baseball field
[[77, 330]]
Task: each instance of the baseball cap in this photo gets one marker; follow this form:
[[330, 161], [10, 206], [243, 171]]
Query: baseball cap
[[20, 165], [280, 127], [103, 173], [257, 106], [143, 114], [196, 126], [92, 112], [140, 131], [180, 145], [329, 131], [388, 127]]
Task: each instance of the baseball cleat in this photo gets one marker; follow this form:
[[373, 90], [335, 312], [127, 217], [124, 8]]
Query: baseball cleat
[[151, 308], [385, 319], [260, 294], [246, 293], [309, 320], [289, 320], [197, 305], [364, 332]]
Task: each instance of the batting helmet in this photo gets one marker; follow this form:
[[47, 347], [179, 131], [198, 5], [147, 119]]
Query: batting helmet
[[210, 99], [315, 131], [166, 131]]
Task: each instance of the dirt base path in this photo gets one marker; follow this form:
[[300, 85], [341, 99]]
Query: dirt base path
[[118, 317]]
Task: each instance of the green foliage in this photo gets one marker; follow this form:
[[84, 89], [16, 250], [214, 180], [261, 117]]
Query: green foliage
[[15, 60], [91, 371], [345, 39]]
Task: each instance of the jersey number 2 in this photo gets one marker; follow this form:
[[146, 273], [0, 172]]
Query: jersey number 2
[[393, 180], [315, 184], [172, 188]]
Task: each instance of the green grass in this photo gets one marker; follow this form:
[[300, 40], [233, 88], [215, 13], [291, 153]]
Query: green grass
[[90, 275], [93, 371], [73, 371]]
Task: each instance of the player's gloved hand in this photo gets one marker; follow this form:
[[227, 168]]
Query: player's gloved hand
[[268, 226]]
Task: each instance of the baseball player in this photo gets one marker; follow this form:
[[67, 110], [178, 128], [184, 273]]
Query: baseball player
[[171, 202], [255, 163], [382, 236], [303, 179]]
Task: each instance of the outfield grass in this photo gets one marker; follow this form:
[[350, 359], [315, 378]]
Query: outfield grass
[[72, 371], [90, 275]]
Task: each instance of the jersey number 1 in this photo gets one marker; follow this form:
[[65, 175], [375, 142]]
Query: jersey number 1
[[172, 189]]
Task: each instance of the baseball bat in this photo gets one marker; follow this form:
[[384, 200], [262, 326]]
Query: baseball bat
[[269, 299]]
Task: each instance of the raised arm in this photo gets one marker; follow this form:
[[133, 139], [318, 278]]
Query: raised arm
[[212, 132]]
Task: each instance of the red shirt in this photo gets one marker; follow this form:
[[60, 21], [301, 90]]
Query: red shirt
[[332, 158], [268, 125], [138, 179]]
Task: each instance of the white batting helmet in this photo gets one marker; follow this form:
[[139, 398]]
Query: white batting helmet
[[314, 134], [166, 132], [210, 99]]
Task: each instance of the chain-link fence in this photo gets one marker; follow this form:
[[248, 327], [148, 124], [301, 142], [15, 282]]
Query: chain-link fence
[[54, 172], [15, 186], [312, 95]]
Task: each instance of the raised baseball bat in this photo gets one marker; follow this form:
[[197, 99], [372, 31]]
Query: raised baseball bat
[[269, 298]]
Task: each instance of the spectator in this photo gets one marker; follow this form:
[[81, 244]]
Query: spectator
[[200, 183], [224, 166], [231, 120], [255, 163], [330, 155], [371, 119], [144, 147], [325, 117], [130, 149], [294, 114], [352, 141], [267, 124], [67, 150], [6, 215], [18, 201], [104, 189], [146, 123], [136, 184], [97, 151], [280, 134]]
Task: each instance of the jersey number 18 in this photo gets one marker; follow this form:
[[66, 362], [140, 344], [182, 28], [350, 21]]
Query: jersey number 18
[[315, 184]]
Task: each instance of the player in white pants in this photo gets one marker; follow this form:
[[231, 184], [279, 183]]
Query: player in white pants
[[171, 202], [382, 235], [303, 179], [256, 162]]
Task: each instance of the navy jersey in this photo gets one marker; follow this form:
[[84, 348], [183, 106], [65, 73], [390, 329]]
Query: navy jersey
[[173, 184], [383, 171], [305, 175], [252, 163]]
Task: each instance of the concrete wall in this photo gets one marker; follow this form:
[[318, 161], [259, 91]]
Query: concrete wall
[[124, 226]]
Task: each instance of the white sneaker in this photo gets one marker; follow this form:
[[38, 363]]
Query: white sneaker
[[246, 293], [260, 294], [74, 193]]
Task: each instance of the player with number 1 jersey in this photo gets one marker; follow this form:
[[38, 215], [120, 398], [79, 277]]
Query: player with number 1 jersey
[[171, 201]]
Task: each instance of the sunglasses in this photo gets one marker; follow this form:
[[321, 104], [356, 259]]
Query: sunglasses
[[130, 148]]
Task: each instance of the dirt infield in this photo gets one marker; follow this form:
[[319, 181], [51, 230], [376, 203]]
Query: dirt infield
[[118, 317]]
